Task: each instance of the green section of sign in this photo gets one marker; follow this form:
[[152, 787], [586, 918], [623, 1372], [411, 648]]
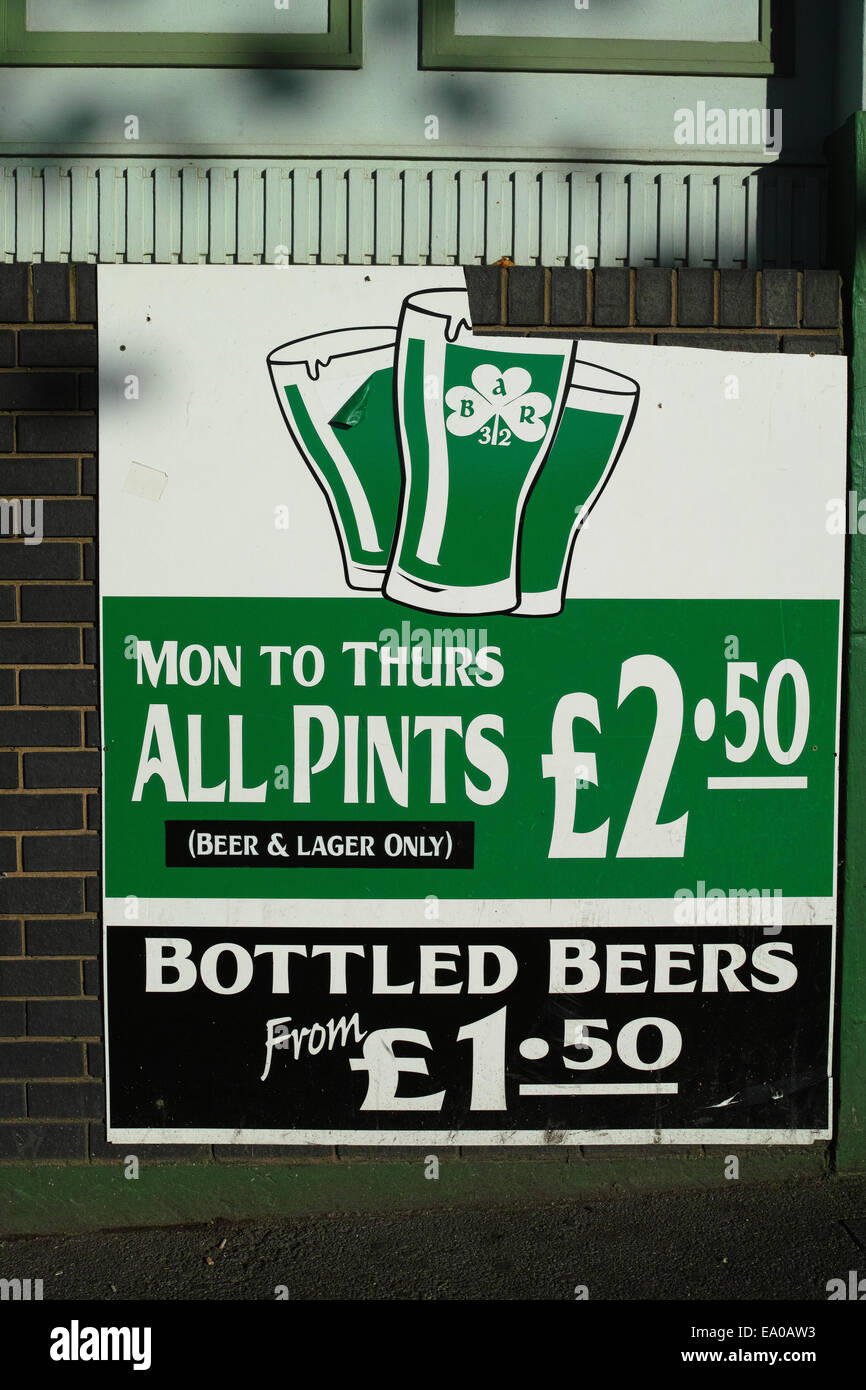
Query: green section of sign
[[493, 434], [365, 429], [576, 462], [650, 766], [366, 435]]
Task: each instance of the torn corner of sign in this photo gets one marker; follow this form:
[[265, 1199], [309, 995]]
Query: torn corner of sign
[[144, 481]]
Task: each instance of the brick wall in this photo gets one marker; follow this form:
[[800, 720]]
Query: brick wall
[[51, 1091], [50, 1019], [735, 310]]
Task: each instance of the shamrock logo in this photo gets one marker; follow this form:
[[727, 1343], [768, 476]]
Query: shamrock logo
[[505, 398]]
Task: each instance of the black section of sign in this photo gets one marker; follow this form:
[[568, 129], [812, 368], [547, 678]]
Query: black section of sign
[[312, 844], [752, 1056]]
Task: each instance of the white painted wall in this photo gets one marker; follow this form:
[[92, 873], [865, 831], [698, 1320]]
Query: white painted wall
[[382, 110]]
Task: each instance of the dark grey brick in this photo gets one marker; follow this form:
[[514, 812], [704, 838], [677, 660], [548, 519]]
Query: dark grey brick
[[12, 1101], [85, 293], [64, 1018], [738, 291], [38, 644], [805, 343], [653, 296], [36, 728], [567, 295], [51, 292], [94, 811], [13, 293], [291, 1153], [62, 687], [8, 769], [38, 391], [88, 562], [66, 1100], [61, 770], [525, 294], [695, 298], [610, 297], [35, 811], [779, 298], [551, 1153], [95, 1059], [92, 730], [92, 898], [55, 434], [88, 391], [644, 339], [12, 1018], [820, 299], [606, 1153], [88, 477], [10, 940], [8, 611], [72, 517], [57, 603], [30, 1059], [399, 1153], [7, 434], [51, 560], [61, 852], [73, 347], [7, 348], [61, 937], [483, 284], [28, 979], [38, 477], [42, 895], [43, 1141], [7, 689], [99, 1148], [8, 854], [89, 651], [722, 342], [92, 975]]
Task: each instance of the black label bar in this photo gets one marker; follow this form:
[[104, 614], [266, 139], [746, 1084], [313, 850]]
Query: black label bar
[[199, 844]]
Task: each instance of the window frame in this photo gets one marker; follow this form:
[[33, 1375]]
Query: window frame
[[442, 47], [340, 47]]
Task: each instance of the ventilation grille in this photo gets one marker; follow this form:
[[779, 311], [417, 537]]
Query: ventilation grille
[[335, 212]]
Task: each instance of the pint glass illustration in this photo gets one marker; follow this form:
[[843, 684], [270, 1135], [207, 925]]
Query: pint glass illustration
[[476, 419], [598, 415], [336, 394]]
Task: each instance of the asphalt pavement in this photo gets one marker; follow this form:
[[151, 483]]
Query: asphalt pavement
[[774, 1241]]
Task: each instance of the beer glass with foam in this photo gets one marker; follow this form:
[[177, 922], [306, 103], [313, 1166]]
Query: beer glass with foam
[[476, 419], [336, 394]]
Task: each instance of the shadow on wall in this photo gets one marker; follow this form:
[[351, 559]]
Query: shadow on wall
[[470, 104], [786, 202], [746, 216]]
